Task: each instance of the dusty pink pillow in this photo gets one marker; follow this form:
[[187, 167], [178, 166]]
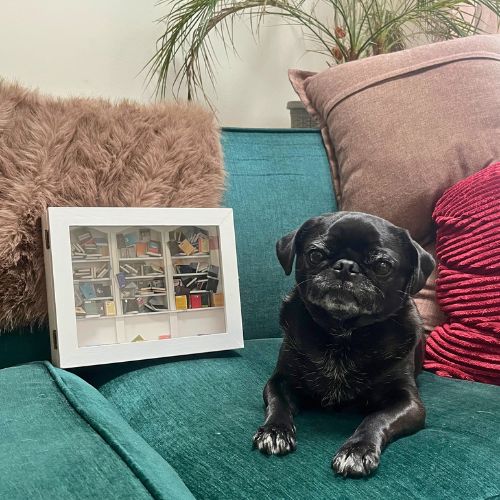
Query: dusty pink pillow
[[401, 128]]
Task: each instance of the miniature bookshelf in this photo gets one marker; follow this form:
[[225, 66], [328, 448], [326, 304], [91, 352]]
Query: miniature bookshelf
[[143, 283], [138, 283]]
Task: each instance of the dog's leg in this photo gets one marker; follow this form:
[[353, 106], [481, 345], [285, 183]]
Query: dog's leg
[[360, 454], [277, 435]]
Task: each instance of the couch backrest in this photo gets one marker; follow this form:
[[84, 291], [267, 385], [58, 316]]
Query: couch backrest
[[276, 179]]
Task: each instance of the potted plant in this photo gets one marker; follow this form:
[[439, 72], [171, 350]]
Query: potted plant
[[357, 29]]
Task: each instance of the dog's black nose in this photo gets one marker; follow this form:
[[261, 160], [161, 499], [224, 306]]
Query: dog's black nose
[[346, 267]]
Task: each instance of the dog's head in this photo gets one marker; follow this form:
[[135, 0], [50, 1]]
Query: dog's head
[[354, 267]]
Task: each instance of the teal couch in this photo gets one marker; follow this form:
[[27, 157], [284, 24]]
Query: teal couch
[[181, 428]]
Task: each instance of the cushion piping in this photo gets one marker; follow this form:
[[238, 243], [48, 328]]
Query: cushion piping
[[401, 72]]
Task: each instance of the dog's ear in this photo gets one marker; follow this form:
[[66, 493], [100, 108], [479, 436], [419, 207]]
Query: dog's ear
[[423, 265], [285, 250]]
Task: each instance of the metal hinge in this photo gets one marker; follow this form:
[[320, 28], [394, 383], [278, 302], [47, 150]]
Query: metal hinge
[[54, 339], [47, 239]]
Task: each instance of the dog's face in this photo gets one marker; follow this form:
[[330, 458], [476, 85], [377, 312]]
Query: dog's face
[[354, 267]]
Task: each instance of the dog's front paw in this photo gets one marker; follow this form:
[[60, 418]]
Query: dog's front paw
[[356, 459], [275, 439]]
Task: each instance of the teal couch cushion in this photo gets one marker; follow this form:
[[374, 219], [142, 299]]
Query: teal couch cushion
[[200, 414], [276, 179], [60, 438]]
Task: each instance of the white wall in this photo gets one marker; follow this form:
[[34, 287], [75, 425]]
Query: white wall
[[98, 48]]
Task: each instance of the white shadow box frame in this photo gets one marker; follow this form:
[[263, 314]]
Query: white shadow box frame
[[66, 347]]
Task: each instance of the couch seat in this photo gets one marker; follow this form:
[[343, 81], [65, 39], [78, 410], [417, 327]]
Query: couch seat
[[60, 439], [200, 413]]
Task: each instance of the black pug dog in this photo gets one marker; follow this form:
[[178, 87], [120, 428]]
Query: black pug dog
[[352, 335]]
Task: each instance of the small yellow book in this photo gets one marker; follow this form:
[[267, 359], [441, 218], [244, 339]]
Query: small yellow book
[[186, 247], [181, 302], [217, 299], [109, 308]]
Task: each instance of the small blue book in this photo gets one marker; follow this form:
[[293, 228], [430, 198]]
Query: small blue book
[[122, 282], [88, 290], [130, 239]]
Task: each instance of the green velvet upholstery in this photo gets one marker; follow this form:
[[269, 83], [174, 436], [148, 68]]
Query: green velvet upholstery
[[60, 438], [276, 179], [200, 414], [24, 345]]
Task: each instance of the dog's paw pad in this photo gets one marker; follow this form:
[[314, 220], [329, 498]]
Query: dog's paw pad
[[356, 459], [275, 440]]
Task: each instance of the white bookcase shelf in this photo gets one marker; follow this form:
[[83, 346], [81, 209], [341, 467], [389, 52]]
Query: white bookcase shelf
[[132, 259], [109, 302], [88, 261]]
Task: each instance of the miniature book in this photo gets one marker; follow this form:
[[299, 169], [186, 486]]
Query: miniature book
[[130, 239], [109, 308], [212, 284], [141, 249], [131, 306], [186, 247], [195, 301], [145, 234], [217, 299], [102, 290], [93, 309], [181, 302], [203, 244], [122, 282], [88, 290], [129, 290], [153, 249]]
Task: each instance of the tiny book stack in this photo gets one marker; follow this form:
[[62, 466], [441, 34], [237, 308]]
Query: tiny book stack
[[88, 244], [189, 240], [138, 243]]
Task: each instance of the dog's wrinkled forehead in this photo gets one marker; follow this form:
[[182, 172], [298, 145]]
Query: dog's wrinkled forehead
[[356, 231]]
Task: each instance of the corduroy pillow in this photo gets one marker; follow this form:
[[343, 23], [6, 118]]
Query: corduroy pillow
[[90, 152], [467, 346], [401, 128]]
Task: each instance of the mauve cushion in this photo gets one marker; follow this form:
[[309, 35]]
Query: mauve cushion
[[401, 128]]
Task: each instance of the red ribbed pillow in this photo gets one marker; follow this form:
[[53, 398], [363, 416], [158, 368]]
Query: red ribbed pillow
[[468, 283]]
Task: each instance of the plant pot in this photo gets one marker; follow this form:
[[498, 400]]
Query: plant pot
[[299, 117]]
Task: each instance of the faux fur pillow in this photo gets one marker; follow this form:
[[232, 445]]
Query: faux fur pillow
[[89, 152]]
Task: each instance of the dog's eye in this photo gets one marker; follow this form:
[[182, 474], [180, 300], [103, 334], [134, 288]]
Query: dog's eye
[[316, 256], [382, 267]]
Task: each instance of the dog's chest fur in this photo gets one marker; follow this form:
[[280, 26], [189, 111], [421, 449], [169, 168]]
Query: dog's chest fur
[[332, 376], [343, 369]]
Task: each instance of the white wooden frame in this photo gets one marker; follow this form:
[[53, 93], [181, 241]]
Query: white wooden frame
[[56, 226]]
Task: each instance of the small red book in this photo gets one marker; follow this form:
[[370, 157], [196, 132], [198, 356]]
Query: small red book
[[195, 301]]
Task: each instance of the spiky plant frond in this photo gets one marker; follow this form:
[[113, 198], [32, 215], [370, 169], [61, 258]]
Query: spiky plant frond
[[355, 29]]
